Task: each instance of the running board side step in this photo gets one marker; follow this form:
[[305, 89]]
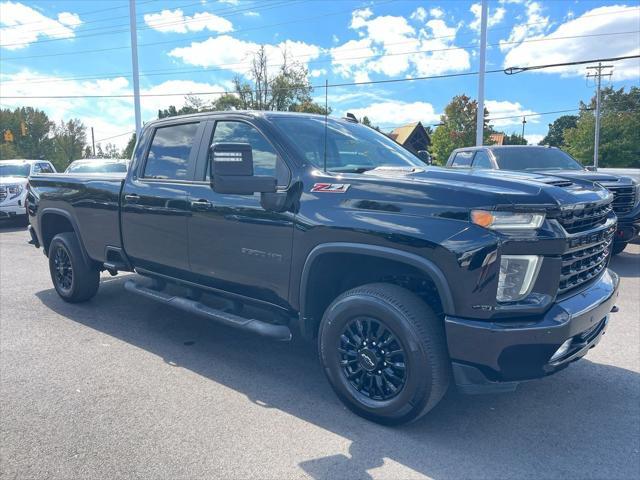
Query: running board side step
[[275, 332]]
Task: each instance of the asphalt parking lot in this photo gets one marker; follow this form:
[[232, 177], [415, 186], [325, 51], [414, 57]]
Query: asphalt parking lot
[[121, 387]]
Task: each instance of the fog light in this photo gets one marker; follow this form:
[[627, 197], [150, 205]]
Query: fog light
[[517, 276], [564, 348]]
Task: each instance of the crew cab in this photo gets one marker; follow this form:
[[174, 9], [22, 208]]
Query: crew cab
[[13, 183], [555, 162], [408, 277]]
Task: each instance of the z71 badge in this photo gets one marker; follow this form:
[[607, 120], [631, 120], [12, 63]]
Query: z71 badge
[[330, 187]]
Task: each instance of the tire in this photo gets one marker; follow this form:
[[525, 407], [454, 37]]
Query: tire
[[618, 248], [416, 330], [73, 278]]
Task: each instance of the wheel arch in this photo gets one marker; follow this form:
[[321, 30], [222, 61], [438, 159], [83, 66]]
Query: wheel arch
[[54, 221], [373, 253]]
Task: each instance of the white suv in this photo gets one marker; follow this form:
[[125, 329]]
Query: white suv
[[14, 175]]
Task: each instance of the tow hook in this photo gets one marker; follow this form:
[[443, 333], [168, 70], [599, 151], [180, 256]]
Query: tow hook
[[615, 309]]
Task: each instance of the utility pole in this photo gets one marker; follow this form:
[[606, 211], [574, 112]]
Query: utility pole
[[93, 142], [483, 51], [134, 61], [524, 122], [598, 74]]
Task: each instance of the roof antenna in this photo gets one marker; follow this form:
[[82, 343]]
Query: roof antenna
[[326, 115]]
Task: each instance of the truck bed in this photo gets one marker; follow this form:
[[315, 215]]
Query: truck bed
[[90, 200]]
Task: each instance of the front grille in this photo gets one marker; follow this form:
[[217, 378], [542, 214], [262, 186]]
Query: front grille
[[586, 259], [624, 198], [588, 216], [3, 193]]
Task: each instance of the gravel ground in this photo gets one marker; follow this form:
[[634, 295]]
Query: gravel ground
[[121, 387]]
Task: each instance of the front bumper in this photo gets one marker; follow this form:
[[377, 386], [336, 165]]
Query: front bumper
[[10, 211], [495, 356], [628, 226]]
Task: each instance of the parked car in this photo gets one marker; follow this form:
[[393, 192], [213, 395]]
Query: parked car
[[13, 182], [97, 166], [409, 277], [557, 163]]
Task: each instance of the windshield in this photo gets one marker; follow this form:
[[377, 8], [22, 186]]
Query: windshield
[[96, 167], [521, 158], [14, 169], [351, 147]]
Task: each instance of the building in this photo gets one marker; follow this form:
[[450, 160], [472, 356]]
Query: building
[[413, 137], [496, 138]]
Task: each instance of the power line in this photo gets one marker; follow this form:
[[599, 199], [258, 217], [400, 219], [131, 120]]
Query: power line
[[222, 67], [343, 84], [515, 70]]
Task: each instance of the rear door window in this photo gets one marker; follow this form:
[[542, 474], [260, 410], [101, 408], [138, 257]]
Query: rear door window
[[482, 160], [168, 157], [462, 159]]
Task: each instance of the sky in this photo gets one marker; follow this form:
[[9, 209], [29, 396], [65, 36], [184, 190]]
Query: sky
[[78, 48]]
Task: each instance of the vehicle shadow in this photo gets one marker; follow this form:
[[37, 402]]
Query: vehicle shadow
[[581, 423], [7, 226], [626, 264]]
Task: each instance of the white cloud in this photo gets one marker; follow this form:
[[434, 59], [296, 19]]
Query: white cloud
[[420, 14], [494, 16], [108, 116], [601, 20], [23, 25], [534, 24], [230, 2], [393, 40], [533, 138], [251, 14], [436, 12], [176, 21], [503, 108], [236, 54], [395, 113]]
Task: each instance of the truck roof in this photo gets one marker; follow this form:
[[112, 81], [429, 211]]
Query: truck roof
[[243, 113]]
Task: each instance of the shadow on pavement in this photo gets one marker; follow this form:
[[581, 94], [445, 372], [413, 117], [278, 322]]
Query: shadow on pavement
[[626, 264], [582, 422], [12, 225]]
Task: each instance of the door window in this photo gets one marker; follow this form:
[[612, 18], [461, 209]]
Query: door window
[[482, 160], [462, 159], [265, 158], [168, 157], [42, 168]]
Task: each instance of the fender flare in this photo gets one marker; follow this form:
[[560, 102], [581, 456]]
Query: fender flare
[[72, 221], [416, 261]]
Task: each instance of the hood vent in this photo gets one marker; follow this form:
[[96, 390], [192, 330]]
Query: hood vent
[[560, 183]]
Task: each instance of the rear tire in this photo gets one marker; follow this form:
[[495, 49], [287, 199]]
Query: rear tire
[[384, 353], [73, 277], [619, 248]]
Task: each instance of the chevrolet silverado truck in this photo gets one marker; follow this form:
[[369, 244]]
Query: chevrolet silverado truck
[[407, 277], [553, 161]]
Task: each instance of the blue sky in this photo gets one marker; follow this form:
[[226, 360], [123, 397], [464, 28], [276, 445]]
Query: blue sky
[[73, 47]]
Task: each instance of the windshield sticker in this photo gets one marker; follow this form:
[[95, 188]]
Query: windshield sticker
[[330, 187]]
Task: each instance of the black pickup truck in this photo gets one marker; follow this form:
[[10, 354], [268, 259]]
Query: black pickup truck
[[408, 276], [553, 161]]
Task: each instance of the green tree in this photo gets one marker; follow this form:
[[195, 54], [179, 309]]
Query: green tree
[[555, 135], [619, 130], [30, 129], [287, 90], [458, 128], [69, 141], [7, 151], [514, 139]]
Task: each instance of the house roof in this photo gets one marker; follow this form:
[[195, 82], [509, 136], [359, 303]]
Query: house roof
[[401, 134], [497, 138]]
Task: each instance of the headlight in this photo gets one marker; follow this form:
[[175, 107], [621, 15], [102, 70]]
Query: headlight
[[507, 220], [517, 276], [14, 190]]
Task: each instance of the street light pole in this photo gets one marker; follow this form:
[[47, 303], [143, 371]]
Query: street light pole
[[481, 69], [524, 122], [134, 62]]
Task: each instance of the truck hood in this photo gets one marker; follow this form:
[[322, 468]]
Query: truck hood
[[603, 178], [494, 187], [13, 181]]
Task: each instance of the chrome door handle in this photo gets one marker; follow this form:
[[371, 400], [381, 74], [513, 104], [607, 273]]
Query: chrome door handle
[[201, 205], [132, 197]]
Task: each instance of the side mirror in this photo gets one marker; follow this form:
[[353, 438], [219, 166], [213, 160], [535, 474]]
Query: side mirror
[[591, 168], [232, 171], [424, 156]]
